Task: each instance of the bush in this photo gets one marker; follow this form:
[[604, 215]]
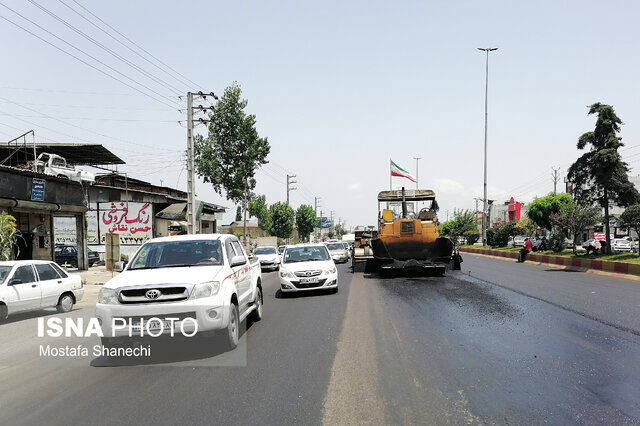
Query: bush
[[557, 241], [490, 237], [472, 237]]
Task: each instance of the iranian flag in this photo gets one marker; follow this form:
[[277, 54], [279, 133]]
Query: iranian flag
[[400, 172]]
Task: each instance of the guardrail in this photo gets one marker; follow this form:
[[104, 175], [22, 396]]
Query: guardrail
[[569, 262]]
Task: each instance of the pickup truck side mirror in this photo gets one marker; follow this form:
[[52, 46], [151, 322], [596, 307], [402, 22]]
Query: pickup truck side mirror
[[118, 266], [15, 281], [238, 260]]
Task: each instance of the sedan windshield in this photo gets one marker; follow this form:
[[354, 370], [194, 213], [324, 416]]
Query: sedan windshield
[[4, 273], [335, 246], [177, 253], [306, 254], [265, 250]]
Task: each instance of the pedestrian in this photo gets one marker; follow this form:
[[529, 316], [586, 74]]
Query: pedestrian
[[528, 246]]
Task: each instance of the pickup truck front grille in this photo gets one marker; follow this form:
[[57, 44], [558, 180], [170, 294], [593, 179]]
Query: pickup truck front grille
[[159, 294], [136, 319]]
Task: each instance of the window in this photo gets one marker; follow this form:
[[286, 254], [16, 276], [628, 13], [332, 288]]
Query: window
[[237, 248], [46, 272], [59, 270], [25, 274]]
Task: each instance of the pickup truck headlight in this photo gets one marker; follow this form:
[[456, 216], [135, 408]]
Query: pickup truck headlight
[[206, 289], [286, 274], [107, 296], [331, 270]]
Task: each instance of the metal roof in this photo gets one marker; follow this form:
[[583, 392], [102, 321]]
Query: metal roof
[[74, 153], [409, 195]]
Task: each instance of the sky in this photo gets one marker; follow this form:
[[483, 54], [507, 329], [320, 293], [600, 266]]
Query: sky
[[338, 87]]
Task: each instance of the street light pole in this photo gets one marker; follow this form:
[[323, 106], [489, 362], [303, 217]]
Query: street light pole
[[486, 114], [417, 158]]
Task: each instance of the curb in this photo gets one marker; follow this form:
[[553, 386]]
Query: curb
[[630, 271]]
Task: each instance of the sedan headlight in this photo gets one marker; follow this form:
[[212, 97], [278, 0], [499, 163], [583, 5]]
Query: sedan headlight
[[331, 270], [107, 296], [286, 274], [206, 289]]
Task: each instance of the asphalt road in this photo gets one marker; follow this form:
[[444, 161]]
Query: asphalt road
[[497, 343]]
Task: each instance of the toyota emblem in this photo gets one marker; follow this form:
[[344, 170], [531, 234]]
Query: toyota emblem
[[152, 294]]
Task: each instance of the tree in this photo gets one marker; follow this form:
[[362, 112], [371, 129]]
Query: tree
[[541, 211], [526, 226], [600, 176], [282, 220], [631, 218], [575, 218], [238, 214], [230, 155], [258, 208], [463, 223], [9, 234], [306, 221]]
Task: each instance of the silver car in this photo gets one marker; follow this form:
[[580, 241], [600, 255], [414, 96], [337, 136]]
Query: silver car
[[338, 252]]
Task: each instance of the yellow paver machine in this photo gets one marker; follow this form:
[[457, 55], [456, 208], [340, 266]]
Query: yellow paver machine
[[407, 240]]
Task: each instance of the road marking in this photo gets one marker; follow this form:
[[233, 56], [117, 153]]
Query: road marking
[[353, 394]]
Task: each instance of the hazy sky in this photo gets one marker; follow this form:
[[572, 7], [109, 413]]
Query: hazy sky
[[338, 87]]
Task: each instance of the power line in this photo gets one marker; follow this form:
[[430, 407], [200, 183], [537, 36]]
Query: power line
[[105, 48], [82, 60], [191, 82], [98, 107], [95, 119]]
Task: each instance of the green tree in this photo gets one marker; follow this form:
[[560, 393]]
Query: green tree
[[557, 241], [526, 227], [238, 214], [258, 208], [575, 218], [600, 176], [306, 221], [631, 218], [464, 222], [229, 156], [501, 233], [282, 220], [9, 234], [542, 210]]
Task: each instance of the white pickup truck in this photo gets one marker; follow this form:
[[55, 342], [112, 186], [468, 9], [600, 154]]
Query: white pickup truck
[[54, 165], [182, 284]]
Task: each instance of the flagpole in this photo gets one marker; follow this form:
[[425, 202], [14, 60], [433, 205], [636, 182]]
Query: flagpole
[[390, 175]]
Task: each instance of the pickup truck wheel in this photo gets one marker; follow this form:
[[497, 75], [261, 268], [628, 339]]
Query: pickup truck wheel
[[256, 315], [233, 328], [65, 304]]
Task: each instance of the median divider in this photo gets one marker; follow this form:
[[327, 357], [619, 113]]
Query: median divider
[[573, 263]]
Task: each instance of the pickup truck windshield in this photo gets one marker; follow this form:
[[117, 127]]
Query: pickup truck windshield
[[169, 254], [265, 250]]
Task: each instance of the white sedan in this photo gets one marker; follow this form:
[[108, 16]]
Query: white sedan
[[307, 267], [28, 285], [269, 257]]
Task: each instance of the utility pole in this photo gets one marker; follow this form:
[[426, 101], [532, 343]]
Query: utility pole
[[486, 115], [417, 158], [290, 182], [191, 170], [317, 204], [555, 179]]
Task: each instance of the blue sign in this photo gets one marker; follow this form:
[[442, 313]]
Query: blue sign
[[325, 223], [37, 189]]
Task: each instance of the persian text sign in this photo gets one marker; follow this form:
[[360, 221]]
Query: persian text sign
[[133, 222]]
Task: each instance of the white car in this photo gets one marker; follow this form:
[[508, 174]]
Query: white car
[[269, 257], [518, 241], [205, 281], [28, 285], [620, 245], [338, 252], [307, 267]]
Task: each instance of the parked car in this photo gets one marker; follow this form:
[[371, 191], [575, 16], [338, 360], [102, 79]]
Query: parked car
[[27, 285], [338, 252], [69, 254], [207, 279], [518, 241], [620, 245], [307, 267], [634, 242], [268, 256]]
